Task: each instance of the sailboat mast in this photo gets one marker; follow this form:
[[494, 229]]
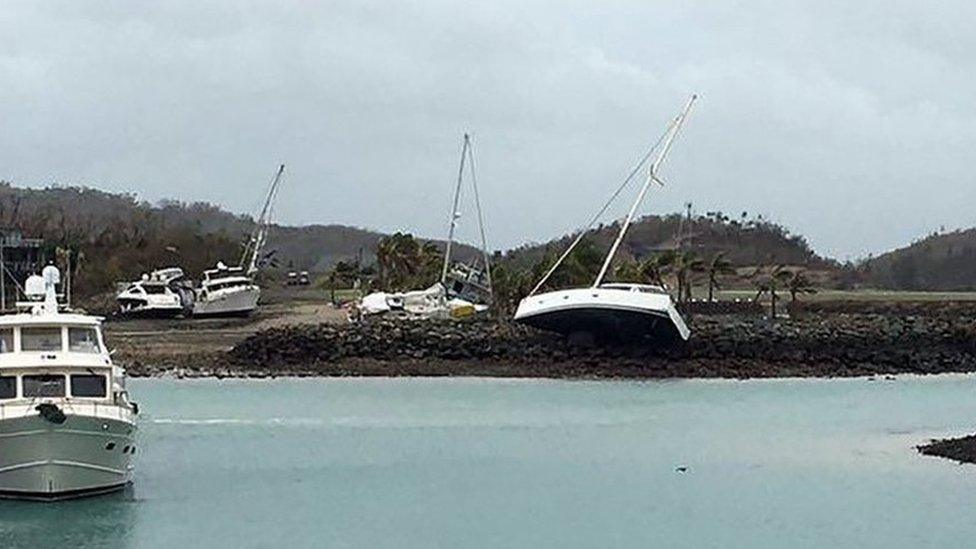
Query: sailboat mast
[[454, 210], [651, 178], [261, 231]]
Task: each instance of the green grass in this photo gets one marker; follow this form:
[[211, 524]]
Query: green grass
[[855, 295]]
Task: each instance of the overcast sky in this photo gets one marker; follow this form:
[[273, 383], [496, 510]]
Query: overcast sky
[[850, 122]]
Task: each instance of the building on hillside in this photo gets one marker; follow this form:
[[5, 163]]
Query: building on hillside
[[20, 257]]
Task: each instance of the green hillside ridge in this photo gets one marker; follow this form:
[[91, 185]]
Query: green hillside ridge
[[939, 262], [117, 237]]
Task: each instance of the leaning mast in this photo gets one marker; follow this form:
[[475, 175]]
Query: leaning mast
[[651, 178], [260, 235]]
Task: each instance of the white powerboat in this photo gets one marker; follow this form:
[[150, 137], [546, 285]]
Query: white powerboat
[[616, 311], [157, 294], [226, 291], [232, 291], [67, 427]]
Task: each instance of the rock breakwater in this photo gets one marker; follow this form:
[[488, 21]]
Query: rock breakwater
[[721, 346]]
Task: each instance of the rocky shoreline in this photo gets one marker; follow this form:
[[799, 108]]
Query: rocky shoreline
[[814, 344], [961, 449]]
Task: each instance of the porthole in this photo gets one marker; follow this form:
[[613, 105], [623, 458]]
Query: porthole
[[110, 446], [125, 450]]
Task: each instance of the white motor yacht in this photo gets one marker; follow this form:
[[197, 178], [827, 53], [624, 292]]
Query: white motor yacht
[[617, 311], [226, 291], [232, 291], [67, 427], [157, 294]]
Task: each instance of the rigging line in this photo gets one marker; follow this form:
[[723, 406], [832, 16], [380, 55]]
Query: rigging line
[[603, 210], [481, 220]]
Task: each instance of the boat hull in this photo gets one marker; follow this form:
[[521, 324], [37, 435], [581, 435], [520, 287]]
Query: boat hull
[[605, 314], [142, 310], [236, 303], [84, 455]]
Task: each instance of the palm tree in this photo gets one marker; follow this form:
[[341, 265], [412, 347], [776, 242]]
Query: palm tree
[[769, 280], [683, 265], [652, 269], [342, 275], [797, 283], [628, 271], [718, 266]]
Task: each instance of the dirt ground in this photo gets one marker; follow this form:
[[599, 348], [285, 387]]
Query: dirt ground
[[155, 340]]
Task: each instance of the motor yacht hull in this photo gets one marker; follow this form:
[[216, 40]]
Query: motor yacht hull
[[143, 310], [605, 314], [84, 455], [236, 303]]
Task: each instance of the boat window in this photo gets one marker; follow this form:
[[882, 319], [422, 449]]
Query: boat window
[[154, 289], [8, 386], [83, 340], [43, 386], [40, 339], [85, 385], [6, 340]]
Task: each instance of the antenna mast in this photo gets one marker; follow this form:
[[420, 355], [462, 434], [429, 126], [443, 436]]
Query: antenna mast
[[651, 178]]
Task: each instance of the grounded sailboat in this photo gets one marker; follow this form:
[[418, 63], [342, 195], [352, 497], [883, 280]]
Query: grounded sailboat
[[231, 291], [611, 311], [463, 289], [66, 423]]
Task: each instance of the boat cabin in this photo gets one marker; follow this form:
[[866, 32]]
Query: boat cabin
[[45, 357]]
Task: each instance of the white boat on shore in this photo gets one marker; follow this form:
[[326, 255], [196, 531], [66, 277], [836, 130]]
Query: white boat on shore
[[611, 311], [67, 427], [226, 291], [157, 294], [232, 291], [463, 290]]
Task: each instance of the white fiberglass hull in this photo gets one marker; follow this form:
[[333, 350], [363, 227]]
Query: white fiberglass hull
[[236, 302], [84, 455], [606, 313], [133, 308]]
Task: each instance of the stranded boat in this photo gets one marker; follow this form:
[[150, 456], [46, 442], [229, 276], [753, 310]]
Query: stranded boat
[[462, 290], [615, 311], [231, 291], [66, 423], [161, 293]]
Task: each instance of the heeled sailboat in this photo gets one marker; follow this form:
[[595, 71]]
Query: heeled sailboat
[[611, 311]]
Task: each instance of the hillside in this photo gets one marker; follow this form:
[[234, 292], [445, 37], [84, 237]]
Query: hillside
[[942, 262], [745, 242], [119, 237]]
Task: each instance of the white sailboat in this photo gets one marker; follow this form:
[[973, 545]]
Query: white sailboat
[[231, 291], [462, 290], [67, 427], [614, 311]]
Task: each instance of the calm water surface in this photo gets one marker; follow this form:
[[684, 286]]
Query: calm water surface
[[498, 463]]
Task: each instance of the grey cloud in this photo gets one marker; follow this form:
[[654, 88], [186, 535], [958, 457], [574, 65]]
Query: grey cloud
[[850, 123]]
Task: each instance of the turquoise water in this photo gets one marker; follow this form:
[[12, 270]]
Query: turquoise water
[[497, 463]]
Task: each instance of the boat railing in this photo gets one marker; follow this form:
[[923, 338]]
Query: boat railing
[[107, 410]]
